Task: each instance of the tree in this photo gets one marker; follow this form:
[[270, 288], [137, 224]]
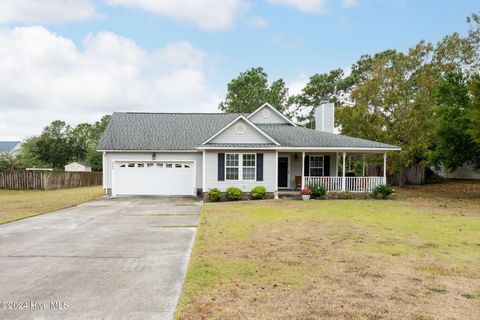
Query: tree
[[250, 90], [454, 145], [60, 144], [474, 113]]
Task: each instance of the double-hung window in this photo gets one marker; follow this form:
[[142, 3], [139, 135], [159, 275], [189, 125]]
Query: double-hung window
[[248, 166], [232, 166], [240, 166], [316, 166]]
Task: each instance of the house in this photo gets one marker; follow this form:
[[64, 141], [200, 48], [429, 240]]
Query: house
[[12, 147], [77, 167], [190, 153]]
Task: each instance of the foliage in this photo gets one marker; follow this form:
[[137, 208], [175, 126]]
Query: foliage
[[9, 161], [250, 90], [318, 191], [258, 192], [305, 192], [474, 130], [214, 195], [454, 145], [383, 191], [234, 194], [60, 144]]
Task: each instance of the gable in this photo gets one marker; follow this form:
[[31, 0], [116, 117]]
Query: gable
[[267, 114], [240, 132]]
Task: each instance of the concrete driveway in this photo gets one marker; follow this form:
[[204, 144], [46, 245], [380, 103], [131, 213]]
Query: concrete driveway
[[118, 258]]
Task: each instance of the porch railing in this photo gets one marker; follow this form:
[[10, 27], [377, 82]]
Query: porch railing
[[353, 184]]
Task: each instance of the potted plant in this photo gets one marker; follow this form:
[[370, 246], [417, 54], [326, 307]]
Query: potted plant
[[305, 193]]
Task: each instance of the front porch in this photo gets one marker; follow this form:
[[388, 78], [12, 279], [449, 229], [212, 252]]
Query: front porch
[[296, 170]]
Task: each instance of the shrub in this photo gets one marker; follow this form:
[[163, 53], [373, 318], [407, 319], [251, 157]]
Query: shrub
[[383, 191], [234, 194], [305, 192], [214, 195], [258, 192], [318, 191]]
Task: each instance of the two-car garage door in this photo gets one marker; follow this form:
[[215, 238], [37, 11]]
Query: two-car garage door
[[153, 178]]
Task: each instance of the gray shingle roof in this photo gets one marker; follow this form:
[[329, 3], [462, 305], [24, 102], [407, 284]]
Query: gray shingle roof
[[187, 131], [8, 146], [289, 136], [161, 131]]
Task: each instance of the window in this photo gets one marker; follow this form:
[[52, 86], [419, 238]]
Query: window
[[248, 166], [232, 166], [316, 166], [244, 169]]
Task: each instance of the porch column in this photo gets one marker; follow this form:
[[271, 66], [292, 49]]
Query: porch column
[[363, 166], [303, 169], [385, 168], [104, 173], [343, 171]]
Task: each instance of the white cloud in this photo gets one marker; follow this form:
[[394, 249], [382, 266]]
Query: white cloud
[[207, 14], [32, 11], [313, 6], [44, 77], [296, 86], [350, 3]]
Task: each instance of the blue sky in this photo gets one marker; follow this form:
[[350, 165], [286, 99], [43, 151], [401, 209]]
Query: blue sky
[[77, 60]]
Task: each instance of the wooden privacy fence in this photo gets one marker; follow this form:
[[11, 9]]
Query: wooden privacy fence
[[46, 180]]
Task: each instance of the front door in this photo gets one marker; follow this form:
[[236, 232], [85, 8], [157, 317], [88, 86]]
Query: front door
[[283, 172]]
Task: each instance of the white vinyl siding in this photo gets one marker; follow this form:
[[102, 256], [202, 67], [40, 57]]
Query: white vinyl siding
[[248, 134], [211, 171], [267, 117], [110, 156]]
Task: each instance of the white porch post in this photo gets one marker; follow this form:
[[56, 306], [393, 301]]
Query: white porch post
[[303, 169], [104, 173], [363, 166], [203, 172], [385, 168], [276, 170], [343, 171]]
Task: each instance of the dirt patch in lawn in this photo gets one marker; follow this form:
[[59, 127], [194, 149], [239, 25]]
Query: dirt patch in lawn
[[339, 259]]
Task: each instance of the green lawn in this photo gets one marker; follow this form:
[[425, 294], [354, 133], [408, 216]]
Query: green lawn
[[19, 204], [416, 257]]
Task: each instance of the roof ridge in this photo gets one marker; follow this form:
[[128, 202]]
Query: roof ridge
[[190, 113]]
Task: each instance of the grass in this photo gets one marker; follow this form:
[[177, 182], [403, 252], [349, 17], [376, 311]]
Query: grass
[[20, 204], [415, 257]]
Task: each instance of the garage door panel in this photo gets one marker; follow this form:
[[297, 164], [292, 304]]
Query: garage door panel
[[154, 178]]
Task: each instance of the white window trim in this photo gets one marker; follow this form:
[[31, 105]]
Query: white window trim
[[310, 164], [240, 167]]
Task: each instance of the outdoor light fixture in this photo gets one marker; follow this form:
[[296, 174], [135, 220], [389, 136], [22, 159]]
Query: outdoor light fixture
[[296, 157], [154, 156]]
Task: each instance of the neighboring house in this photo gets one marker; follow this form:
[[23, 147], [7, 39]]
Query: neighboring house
[[186, 153], [78, 167], [12, 147]]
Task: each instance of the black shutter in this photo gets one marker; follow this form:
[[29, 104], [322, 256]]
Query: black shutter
[[307, 166], [259, 166], [326, 166], [221, 167]]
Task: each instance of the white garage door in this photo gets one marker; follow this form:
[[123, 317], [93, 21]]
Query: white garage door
[[154, 178]]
